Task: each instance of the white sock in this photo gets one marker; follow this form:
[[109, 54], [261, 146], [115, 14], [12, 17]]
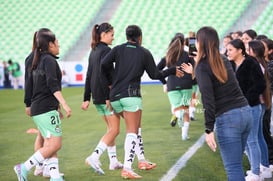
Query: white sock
[[34, 160], [139, 146], [180, 115], [185, 129], [53, 166], [101, 147], [39, 166], [112, 154], [191, 111], [129, 150]]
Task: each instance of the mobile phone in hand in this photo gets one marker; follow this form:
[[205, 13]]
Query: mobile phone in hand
[[192, 47]]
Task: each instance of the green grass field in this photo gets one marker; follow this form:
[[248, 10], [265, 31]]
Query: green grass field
[[83, 130]]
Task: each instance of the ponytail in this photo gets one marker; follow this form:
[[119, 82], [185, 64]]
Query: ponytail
[[97, 31], [43, 37], [36, 57], [175, 50], [95, 37]]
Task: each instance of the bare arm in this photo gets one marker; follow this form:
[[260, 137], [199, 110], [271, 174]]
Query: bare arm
[[61, 100]]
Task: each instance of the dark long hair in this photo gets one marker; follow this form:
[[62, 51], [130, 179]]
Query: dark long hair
[[175, 49], [34, 43], [97, 31], [269, 44], [43, 37], [258, 49], [208, 40]]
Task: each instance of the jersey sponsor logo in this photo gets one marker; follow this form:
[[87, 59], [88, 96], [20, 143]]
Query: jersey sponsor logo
[[130, 46]]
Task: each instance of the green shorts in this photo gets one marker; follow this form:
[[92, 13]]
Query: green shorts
[[103, 110], [195, 88], [49, 124], [130, 104], [179, 98]]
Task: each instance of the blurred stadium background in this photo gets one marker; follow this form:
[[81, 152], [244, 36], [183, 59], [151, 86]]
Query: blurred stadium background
[[72, 22]]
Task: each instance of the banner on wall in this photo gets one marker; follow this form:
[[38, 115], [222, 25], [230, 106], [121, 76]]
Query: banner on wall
[[76, 73]]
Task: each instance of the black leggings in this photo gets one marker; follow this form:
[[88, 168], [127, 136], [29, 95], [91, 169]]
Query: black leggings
[[267, 134]]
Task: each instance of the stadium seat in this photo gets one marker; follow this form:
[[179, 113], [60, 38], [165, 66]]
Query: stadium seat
[[160, 24], [264, 24], [20, 19]]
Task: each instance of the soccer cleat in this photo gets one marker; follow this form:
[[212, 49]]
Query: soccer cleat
[[192, 119], [129, 174], [146, 165], [173, 121], [115, 166], [20, 172], [95, 164]]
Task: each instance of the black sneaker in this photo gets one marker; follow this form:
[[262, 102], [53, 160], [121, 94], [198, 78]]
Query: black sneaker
[[173, 121]]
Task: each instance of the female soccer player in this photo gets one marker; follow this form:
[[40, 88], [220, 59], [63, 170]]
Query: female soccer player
[[179, 89], [131, 60], [45, 86], [102, 36]]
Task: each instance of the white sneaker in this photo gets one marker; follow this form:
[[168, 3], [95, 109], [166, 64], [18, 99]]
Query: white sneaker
[[115, 166], [185, 138], [253, 177], [265, 172], [248, 172], [95, 164], [271, 167]]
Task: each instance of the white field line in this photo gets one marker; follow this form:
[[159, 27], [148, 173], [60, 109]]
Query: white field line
[[171, 174]]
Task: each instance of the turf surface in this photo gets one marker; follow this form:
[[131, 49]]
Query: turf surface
[[84, 129]]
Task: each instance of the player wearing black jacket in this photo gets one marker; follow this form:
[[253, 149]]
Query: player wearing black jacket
[[102, 36], [45, 87], [179, 89], [39, 141], [131, 60]]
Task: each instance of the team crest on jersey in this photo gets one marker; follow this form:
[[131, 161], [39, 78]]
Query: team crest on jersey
[[58, 129]]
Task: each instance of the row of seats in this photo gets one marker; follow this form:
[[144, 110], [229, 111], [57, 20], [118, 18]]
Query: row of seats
[[160, 19], [20, 19], [264, 24]]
